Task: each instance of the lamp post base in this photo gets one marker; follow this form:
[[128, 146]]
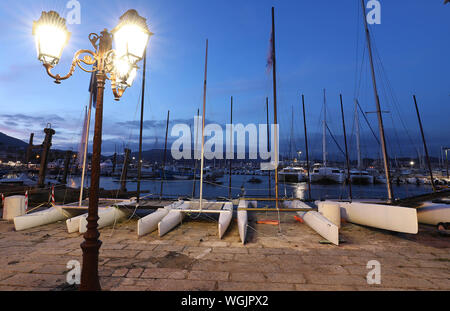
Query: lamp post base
[[89, 274]]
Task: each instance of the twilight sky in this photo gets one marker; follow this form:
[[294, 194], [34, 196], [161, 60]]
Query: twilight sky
[[320, 44]]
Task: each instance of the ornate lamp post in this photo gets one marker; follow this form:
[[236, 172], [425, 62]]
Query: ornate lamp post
[[118, 65]]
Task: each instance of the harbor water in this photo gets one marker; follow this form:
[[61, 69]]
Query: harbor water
[[242, 187]]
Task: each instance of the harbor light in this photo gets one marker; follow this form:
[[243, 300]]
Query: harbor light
[[51, 36]]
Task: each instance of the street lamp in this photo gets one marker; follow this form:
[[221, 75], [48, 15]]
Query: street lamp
[[118, 65]]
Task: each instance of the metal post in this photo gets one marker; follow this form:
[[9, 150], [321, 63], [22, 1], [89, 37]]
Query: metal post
[[44, 157], [92, 244]]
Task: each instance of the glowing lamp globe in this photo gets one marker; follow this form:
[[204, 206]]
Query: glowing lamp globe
[[51, 36], [125, 72], [131, 37]]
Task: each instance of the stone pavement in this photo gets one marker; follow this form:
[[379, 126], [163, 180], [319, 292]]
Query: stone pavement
[[191, 257]]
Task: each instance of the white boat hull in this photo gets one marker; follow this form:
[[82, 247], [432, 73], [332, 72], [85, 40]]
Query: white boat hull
[[170, 221], [107, 216], [225, 219], [150, 222], [243, 218], [433, 213], [382, 216], [321, 225], [45, 217], [73, 224]]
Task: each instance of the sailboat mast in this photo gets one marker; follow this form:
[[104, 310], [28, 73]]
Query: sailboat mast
[[380, 117], [268, 140], [165, 154], [324, 129], [292, 134], [231, 147], [141, 129], [195, 152], [346, 151], [274, 72], [306, 147], [86, 141], [424, 145], [358, 138], [203, 126]]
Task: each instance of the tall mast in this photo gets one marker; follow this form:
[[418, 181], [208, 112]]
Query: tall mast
[[165, 155], [86, 141], [275, 105], [231, 147], [380, 117], [358, 142], [324, 129], [268, 140], [141, 129], [195, 152], [203, 126], [346, 151], [306, 146], [425, 145], [292, 134]]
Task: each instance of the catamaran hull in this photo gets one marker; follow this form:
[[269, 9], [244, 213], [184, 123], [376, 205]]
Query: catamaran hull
[[170, 221], [433, 213], [225, 219], [382, 216], [321, 225], [243, 218], [107, 217], [45, 217], [150, 222]]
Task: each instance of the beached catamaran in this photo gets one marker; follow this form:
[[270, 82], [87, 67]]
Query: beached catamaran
[[388, 215]]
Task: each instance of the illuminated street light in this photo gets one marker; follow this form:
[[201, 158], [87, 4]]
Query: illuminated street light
[[131, 37]]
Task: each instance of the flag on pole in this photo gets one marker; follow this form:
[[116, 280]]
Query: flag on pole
[[270, 55], [93, 87]]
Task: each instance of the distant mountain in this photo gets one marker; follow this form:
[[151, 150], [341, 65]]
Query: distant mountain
[[8, 141]]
